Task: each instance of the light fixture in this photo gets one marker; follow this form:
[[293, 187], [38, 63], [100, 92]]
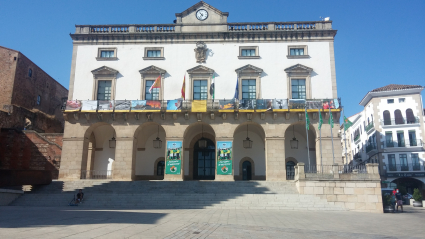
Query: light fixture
[[294, 141], [112, 142], [247, 143], [157, 143], [202, 142]]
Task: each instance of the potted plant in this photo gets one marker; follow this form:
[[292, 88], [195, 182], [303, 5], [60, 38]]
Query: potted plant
[[417, 196], [386, 201]]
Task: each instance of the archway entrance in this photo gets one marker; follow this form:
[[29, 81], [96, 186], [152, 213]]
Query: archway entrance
[[204, 161], [246, 170], [290, 170]]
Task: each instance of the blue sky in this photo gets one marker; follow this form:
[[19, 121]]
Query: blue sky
[[378, 42]]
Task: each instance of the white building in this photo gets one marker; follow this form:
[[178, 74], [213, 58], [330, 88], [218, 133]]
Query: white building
[[390, 130]]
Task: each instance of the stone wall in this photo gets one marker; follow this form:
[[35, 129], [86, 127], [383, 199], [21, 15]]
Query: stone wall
[[23, 150], [359, 192]]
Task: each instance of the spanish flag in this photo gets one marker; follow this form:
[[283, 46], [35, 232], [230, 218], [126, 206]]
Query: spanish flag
[[156, 84], [183, 88]]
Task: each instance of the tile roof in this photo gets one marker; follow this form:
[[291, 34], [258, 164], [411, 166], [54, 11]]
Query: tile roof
[[392, 87]]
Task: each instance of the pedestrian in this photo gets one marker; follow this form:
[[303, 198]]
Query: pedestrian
[[399, 200]]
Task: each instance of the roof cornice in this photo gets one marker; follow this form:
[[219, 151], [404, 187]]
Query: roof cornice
[[371, 94]]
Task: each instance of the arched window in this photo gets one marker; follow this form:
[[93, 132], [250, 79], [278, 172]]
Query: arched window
[[368, 120], [410, 118], [398, 117], [38, 100], [160, 168], [387, 118], [30, 72]]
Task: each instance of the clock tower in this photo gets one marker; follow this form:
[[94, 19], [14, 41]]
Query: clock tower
[[199, 14]]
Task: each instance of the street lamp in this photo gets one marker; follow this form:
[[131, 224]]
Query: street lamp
[[294, 141], [112, 142], [157, 143], [247, 143]]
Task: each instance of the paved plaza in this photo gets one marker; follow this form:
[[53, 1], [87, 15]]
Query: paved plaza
[[79, 222]]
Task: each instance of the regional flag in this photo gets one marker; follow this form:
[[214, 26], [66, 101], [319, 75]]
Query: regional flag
[[347, 124], [184, 88], [156, 84], [320, 120], [307, 120], [237, 89], [212, 88]]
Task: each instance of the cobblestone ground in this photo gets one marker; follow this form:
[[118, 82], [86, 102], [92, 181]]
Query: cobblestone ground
[[79, 222]]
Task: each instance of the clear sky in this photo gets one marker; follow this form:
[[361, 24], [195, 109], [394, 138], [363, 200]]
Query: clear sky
[[378, 42]]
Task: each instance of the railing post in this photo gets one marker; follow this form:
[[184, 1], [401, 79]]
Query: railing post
[[270, 27], [132, 29], [372, 168], [335, 170]]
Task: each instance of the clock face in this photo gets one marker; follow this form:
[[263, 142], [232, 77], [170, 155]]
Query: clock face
[[202, 14]]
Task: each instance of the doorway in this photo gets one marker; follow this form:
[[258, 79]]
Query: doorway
[[290, 170], [204, 161], [246, 171]]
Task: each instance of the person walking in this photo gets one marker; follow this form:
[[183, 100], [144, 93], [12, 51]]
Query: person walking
[[399, 198]]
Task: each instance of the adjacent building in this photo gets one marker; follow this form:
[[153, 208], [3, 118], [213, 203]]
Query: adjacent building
[[200, 99], [390, 130]]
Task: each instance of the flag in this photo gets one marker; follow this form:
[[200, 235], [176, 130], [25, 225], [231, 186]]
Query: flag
[[331, 119], [183, 88], [237, 89], [320, 120], [307, 120], [347, 124], [156, 84], [212, 88]]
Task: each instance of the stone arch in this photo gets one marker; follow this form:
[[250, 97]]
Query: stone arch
[[253, 176], [298, 130], [144, 154], [155, 171], [291, 159]]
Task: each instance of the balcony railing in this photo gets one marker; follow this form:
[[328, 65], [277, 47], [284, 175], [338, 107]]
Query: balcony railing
[[400, 121], [335, 169], [200, 105], [404, 167], [357, 139], [403, 143], [369, 127], [370, 147]]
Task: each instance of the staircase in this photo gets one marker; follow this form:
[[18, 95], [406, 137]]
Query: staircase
[[175, 195]]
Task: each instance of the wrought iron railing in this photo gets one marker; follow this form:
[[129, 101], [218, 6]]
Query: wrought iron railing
[[400, 121], [96, 174], [405, 167], [402, 143], [290, 174], [357, 139], [369, 127], [370, 147], [335, 169], [359, 168]]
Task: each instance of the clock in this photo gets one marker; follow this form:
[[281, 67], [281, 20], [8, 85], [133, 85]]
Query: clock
[[202, 14]]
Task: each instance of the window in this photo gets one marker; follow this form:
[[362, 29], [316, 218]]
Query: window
[[248, 89], [410, 118], [403, 159], [412, 138], [298, 89], [248, 52], [391, 162], [106, 54], [398, 117], [400, 139], [387, 118], [200, 89], [160, 168], [297, 52], [30, 72], [400, 100], [389, 139], [390, 101], [38, 100], [104, 90], [154, 94], [154, 53], [415, 159]]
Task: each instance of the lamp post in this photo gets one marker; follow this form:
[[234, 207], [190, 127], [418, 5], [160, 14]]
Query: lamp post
[[247, 143], [294, 141], [112, 142], [157, 143]]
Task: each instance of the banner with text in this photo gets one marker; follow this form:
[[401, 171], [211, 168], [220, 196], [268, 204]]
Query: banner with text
[[224, 157], [174, 157]]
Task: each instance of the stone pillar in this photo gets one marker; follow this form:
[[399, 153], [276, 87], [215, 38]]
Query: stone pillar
[[299, 171], [224, 177], [123, 165], [275, 159], [335, 170], [71, 160], [373, 170], [174, 177]]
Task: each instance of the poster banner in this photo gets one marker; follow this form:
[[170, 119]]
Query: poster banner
[[330, 104], [224, 157], [73, 105], [174, 157], [227, 104], [297, 104], [122, 105], [106, 105], [89, 106], [314, 104], [174, 104], [247, 104], [264, 104], [199, 106], [280, 104], [145, 105]]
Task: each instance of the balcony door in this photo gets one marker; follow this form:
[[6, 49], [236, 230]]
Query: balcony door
[[400, 139], [204, 161]]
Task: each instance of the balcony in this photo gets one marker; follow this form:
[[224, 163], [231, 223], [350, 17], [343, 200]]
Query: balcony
[[389, 143], [400, 121], [370, 147], [369, 128], [357, 139], [403, 143], [405, 168]]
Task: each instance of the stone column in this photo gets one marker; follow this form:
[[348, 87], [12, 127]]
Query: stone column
[[224, 177], [71, 159], [123, 165], [174, 177], [373, 170], [275, 159], [299, 171], [335, 170]]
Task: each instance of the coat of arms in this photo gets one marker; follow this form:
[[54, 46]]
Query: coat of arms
[[201, 52]]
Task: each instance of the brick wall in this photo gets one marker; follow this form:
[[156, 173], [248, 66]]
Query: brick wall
[[8, 59], [30, 150]]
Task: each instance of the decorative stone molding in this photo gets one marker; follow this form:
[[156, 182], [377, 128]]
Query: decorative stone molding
[[149, 116], [199, 116], [300, 116], [137, 116], [314, 116], [163, 116], [125, 116], [224, 116], [274, 115], [326, 115], [100, 116], [174, 116], [250, 72], [186, 116], [263, 115], [113, 116], [212, 115], [152, 70], [236, 115], [287, 115], [299, 71], [201, 52], [249, 116], [104, 73], [87, 115]]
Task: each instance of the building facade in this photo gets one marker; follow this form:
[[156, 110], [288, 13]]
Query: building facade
[[390, 130], [200, 99]]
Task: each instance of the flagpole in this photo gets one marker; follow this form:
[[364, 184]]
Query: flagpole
[[320, 138], [306, 130], [332, 137], [345, 137]]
